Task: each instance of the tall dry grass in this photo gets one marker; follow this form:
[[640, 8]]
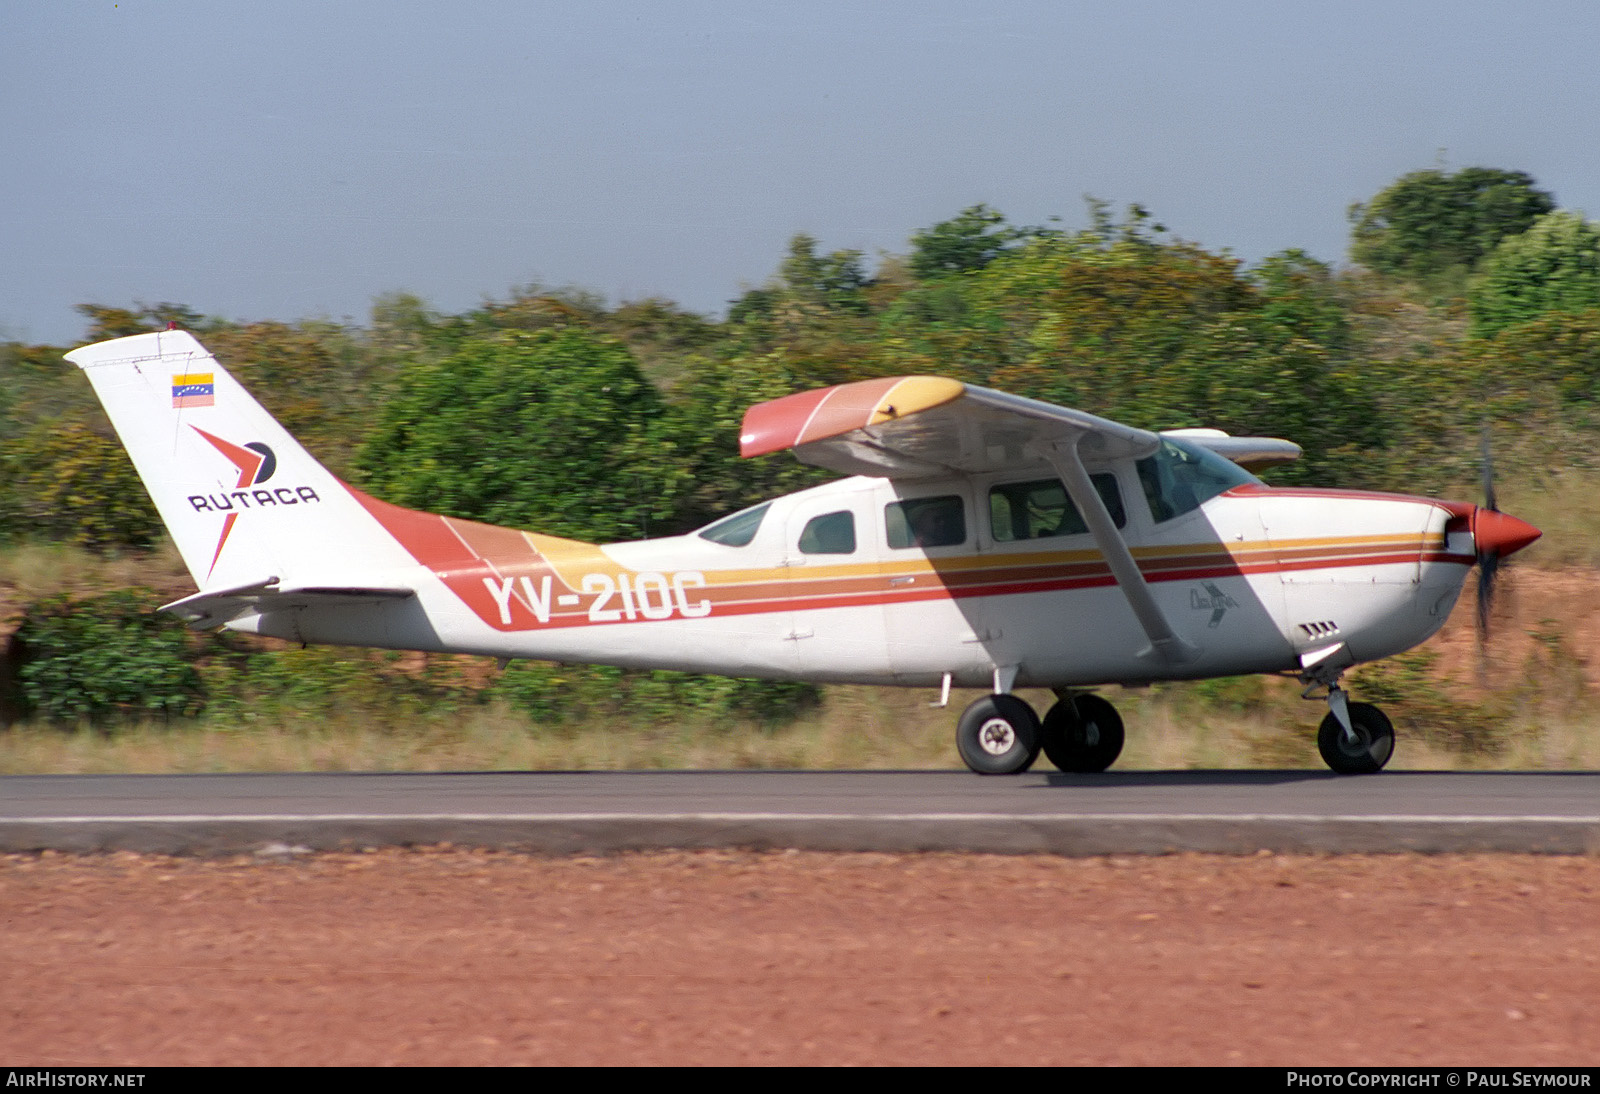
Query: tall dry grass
[[857, 728]]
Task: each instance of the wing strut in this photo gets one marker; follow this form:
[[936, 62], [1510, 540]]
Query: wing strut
[[1164, 641]]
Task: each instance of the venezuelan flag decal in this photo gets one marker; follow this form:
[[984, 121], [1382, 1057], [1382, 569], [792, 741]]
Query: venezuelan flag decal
[[193, 389]]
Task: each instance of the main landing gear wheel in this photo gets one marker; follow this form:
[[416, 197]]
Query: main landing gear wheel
[[1082, 734], [998, 735], [1371, 749]]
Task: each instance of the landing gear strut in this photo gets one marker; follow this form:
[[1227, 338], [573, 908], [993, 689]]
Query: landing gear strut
[[1082, 733], [1354, 738]]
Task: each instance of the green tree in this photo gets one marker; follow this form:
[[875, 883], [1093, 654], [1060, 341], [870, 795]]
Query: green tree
[[816, 313], [699, 460], [550, 430], [660, 335], [1553, 266], [1250, 374], [970, 240], [808, 290], [313, 378], [63, 475], [753, 305], [830, 282], [1109, 322], [1120, 322], [1431, 226], [1301, 295], [37, 385], [401, 326]]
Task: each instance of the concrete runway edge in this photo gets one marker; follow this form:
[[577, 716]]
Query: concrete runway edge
[[590, 833]]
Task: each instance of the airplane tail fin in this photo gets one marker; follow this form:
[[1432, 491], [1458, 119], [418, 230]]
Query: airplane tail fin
[[245, 504]]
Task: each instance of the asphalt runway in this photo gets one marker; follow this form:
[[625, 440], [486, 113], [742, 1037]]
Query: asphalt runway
[[596, 812]]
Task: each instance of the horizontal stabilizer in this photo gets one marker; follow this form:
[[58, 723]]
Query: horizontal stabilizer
[[211, 608]]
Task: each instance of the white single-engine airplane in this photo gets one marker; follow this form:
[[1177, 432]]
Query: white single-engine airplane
[[982, 540]]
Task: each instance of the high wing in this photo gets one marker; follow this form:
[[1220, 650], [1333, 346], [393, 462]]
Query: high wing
[[922, 426]]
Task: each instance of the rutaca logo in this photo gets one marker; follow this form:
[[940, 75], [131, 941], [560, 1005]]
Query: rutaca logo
[[269, 462], [256, 463]]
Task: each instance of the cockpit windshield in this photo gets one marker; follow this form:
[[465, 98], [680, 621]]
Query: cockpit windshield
[[1181, 477], [737, 530]]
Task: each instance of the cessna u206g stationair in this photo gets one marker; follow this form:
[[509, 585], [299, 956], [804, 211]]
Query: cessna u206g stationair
[[981, 540]]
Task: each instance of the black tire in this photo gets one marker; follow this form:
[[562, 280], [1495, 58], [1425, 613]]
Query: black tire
[[998, 735], [1082, 734], [1369, 753]]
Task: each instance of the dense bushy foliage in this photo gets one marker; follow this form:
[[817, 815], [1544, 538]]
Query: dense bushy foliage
[[1552, 267], [104, 659], [72, 483], [546, 429]]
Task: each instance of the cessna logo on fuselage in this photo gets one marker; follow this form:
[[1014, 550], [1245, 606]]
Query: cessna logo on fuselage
[[1213, 600]]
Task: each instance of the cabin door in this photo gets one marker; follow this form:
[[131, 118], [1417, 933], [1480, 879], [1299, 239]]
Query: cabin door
[[832, 579]]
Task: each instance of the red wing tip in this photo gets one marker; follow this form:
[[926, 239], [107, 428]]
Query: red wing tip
[[822, 413]]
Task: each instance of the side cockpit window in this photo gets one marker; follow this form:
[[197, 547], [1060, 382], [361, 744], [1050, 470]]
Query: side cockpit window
[[1040, 509], [1180, 478], [925, 522], [737, 530], [829, 534]]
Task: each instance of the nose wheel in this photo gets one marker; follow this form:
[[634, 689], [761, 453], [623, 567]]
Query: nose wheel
[[1362, 747]]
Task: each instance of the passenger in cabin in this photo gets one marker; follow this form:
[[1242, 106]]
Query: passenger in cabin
[[937, 522]]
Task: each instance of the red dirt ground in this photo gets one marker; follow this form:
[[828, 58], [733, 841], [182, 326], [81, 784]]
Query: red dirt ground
[[1561, 605], [457, 957]]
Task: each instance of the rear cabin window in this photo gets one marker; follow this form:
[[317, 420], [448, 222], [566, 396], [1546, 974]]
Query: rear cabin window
[[926, 522], [1041, 509], [1180, 478], [829, 534]]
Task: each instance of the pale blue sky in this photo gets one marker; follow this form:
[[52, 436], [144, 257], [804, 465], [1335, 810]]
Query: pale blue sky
[[293, 159]]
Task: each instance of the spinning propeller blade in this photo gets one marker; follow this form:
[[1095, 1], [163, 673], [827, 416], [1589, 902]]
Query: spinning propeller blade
[[1495, 535]]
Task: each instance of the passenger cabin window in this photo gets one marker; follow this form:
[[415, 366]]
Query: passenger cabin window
[[829, 534], [737, 530], [926, 522], [1180, 478], [1041, 508]]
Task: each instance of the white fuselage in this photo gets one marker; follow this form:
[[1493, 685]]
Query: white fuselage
[[1253, 580]]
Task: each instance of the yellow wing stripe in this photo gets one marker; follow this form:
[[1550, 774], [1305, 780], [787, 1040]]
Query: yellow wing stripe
[[914, 394]]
